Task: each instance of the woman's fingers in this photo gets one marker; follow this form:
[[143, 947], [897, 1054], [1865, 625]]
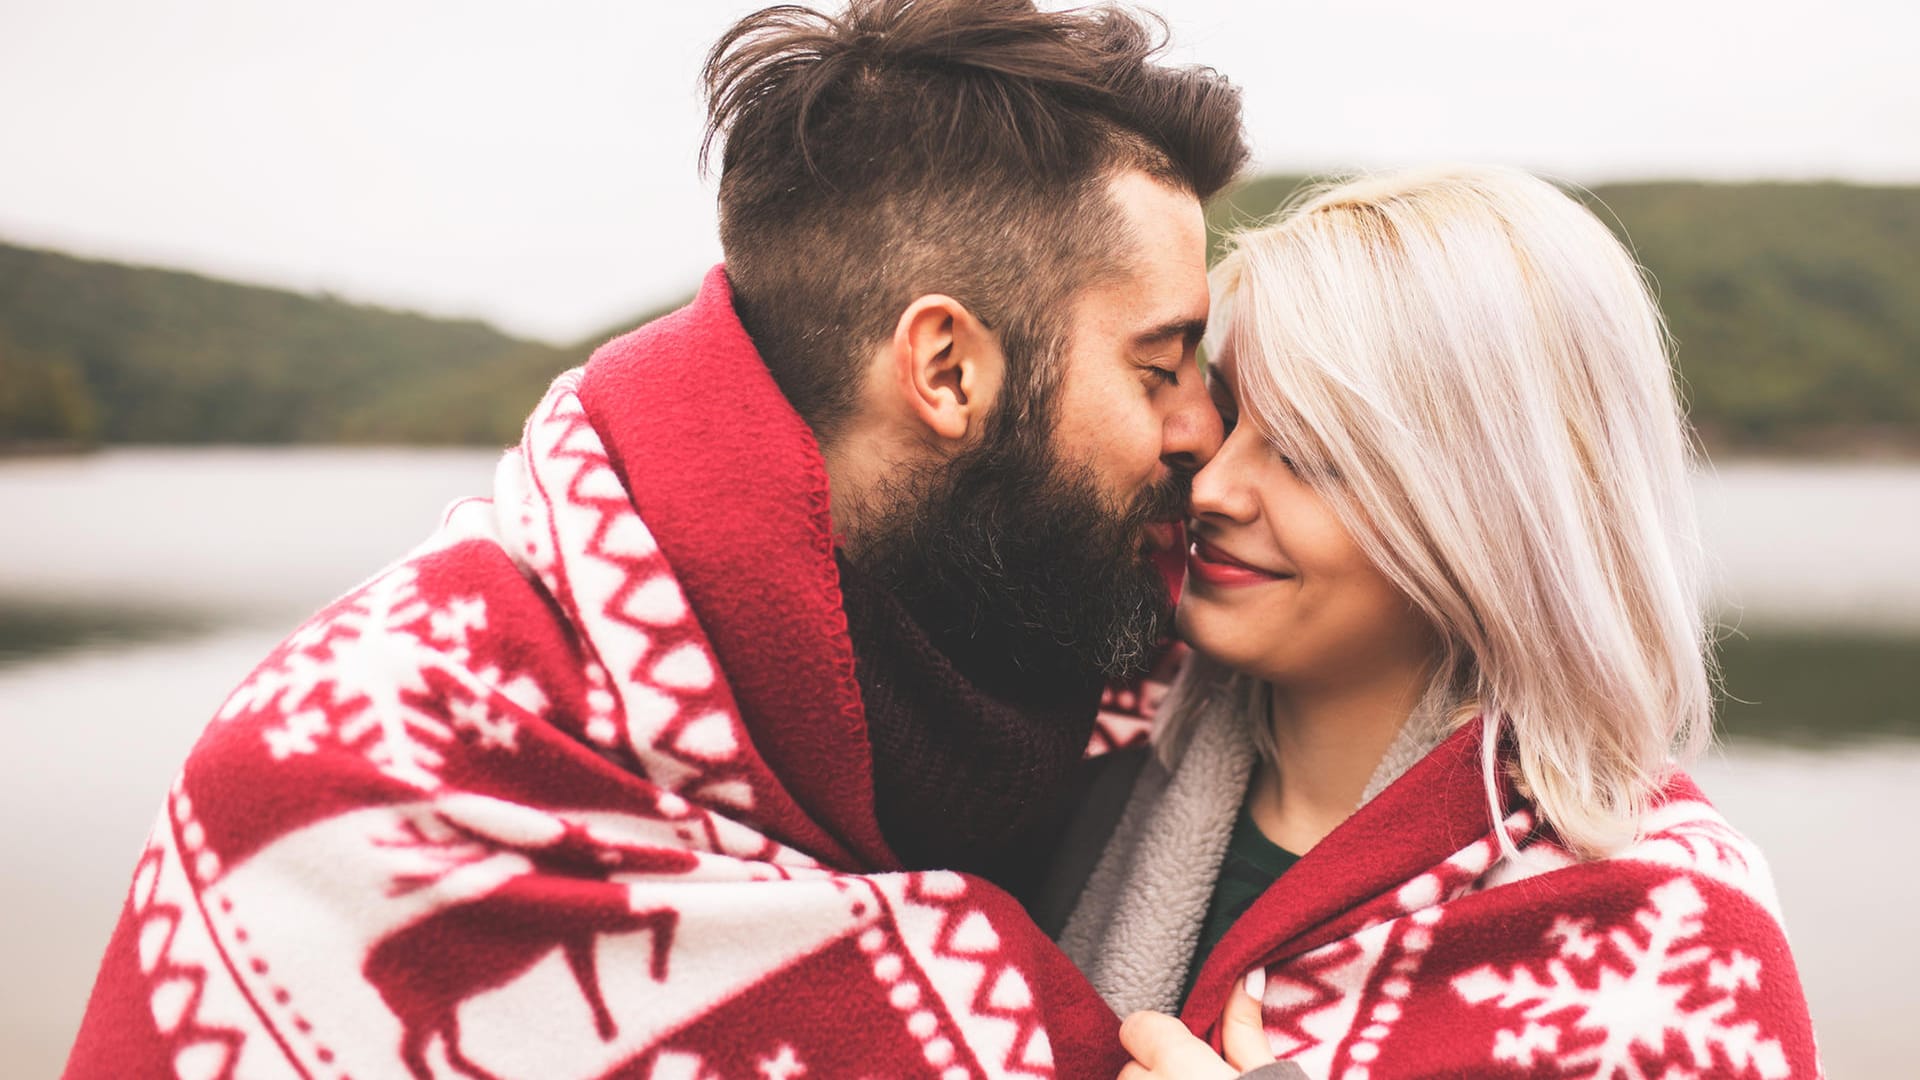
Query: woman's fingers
[[1242, 1033], [1152, 1038], [1162, 1047]]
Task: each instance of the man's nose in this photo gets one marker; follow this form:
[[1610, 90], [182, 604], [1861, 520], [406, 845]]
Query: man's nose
[[1192, 432]]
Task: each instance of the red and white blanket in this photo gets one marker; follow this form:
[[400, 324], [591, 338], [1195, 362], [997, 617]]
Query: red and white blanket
[[1408, 944], [579, 789]]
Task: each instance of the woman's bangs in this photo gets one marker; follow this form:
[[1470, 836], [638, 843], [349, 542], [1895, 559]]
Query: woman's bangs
[[1282, 378]]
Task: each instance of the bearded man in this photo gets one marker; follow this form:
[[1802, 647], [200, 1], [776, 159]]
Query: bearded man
[[684, 753]]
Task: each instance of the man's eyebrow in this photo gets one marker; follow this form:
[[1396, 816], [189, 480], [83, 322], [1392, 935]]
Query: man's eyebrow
[[1187, 331]]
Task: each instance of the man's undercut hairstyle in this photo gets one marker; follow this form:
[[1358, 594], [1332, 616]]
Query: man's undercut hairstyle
[[908, 147]]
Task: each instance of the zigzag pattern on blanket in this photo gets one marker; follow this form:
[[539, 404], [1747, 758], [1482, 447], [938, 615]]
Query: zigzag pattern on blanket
[[496, 814], [654, 701]]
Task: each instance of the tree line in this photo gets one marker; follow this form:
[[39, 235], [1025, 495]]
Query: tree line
[[1795, 309]]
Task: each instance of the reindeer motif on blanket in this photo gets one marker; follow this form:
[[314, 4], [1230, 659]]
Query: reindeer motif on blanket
[[564, 896]]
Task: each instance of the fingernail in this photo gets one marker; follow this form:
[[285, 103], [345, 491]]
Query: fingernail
[[1257, 984]]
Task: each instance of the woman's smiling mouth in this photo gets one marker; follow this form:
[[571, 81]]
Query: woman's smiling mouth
[[1209, 564]]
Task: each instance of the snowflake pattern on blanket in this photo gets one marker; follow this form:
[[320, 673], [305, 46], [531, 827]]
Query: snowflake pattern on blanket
[[1663, 962], [1602, 1001], [499, 813], [386, 673]]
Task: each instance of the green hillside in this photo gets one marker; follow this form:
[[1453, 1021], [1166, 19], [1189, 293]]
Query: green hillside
[[94, 351], [1796, 308]]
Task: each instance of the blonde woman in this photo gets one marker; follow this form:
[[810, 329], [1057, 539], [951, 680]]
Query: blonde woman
[[1419, 792]]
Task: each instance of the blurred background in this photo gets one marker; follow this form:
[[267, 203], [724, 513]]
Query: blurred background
[[277, 281]]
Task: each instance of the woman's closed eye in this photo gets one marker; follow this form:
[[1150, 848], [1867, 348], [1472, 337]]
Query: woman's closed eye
[[1223, 403]]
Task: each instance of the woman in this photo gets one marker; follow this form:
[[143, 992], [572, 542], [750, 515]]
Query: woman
[[1419, 790]]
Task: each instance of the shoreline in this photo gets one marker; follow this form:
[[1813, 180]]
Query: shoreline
[[1837, 446]]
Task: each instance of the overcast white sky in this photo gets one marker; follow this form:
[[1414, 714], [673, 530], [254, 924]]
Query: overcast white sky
[[534, 164]]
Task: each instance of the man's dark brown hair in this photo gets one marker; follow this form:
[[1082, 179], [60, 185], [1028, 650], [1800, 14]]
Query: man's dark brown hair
[[908, 147]]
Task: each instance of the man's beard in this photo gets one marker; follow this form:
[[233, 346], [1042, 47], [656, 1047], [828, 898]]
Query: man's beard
[[1013, 559]]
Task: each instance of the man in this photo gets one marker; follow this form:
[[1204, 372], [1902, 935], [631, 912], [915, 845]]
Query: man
[[789, 606]]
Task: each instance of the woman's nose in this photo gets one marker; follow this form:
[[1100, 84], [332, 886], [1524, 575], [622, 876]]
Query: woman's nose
[[1224, 488]]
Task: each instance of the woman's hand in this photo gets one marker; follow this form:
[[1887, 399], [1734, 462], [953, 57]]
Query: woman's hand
[[1163, 1048]]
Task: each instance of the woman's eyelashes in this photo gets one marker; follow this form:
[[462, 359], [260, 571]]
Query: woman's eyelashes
[[1223, 403], [1311, 469]]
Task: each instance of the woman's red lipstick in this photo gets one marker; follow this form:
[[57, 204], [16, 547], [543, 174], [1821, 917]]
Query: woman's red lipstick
[[1209, 564]]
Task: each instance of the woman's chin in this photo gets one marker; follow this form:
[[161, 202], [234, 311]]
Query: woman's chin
[[1212, 634]]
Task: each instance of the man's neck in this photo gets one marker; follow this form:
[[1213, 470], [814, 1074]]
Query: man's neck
[[847, 482], [863, 460], [962, 765], [1330, 739]]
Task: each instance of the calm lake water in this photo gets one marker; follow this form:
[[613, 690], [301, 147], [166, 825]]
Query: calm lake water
[[136, 587]]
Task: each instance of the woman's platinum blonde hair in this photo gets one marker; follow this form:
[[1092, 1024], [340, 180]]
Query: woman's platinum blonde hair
[[1474, 375]]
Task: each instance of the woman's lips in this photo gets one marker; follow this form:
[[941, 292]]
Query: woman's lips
[[1215, 567]]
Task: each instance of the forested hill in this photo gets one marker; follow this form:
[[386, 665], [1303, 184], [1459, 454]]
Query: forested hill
[[99, 351], [1796, 308]]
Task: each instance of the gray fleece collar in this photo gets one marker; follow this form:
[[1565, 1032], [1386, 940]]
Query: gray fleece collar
[[1134, 928], [1136, 925]]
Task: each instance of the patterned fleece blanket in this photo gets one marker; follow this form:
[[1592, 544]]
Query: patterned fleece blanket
[[581, 788], [1410, 943]]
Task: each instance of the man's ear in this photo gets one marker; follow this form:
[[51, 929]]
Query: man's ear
[[947, 367]]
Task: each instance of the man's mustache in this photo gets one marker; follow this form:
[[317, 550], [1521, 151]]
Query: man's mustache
[[1168, 500]]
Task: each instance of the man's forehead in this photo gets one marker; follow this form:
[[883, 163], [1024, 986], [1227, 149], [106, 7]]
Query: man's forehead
[[1155, 288], [1149, 298], [1164, 257], [1142, 311], [1161, 221]]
